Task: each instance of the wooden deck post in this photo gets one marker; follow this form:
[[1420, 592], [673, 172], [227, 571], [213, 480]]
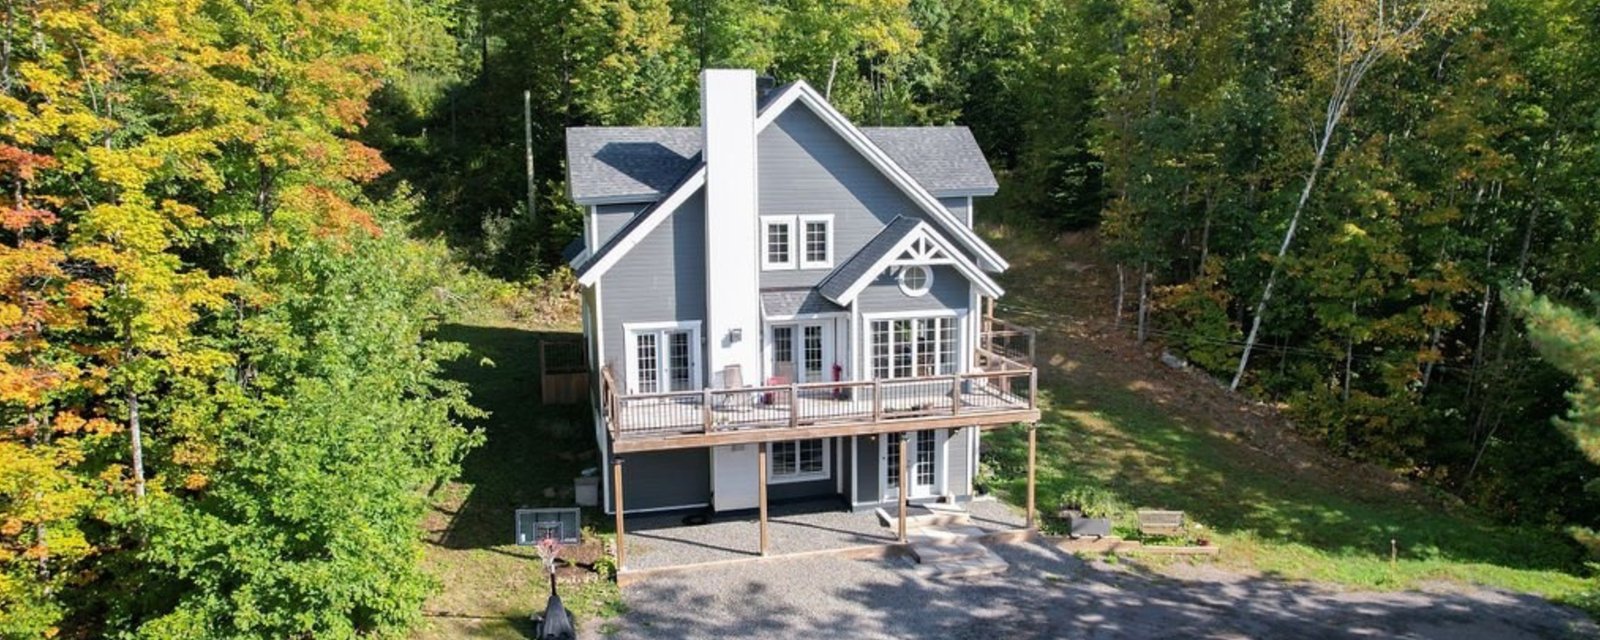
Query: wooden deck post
[[1033, 447], [616, 501], [761, 492], [903, 479]]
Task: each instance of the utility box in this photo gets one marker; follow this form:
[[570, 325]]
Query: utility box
[[586, 490]]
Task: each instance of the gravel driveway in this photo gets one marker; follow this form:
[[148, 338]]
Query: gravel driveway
[[1049, 594]]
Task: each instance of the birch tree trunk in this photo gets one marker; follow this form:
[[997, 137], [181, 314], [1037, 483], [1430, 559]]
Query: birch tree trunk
[[1360, 40], [1144, 299], [1116, 322], [137, 441]]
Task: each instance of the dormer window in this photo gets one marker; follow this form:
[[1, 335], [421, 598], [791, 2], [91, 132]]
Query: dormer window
[[803, 242]]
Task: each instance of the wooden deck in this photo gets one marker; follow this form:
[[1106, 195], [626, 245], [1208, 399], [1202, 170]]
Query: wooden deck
[[712, 417]]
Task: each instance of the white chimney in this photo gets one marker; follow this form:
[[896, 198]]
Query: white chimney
[[733, 268]]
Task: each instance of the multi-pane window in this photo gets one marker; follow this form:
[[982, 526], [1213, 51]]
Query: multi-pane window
[[680, 365], [816, 243], [892, 469], [794, 460], [779, 236], [804, 242], [913, 347], [812, 346], [648, 363], [923, 475], [783, 351]]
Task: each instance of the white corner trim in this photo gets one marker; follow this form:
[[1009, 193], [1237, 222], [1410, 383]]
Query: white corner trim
[[654, 218], [864, 145]]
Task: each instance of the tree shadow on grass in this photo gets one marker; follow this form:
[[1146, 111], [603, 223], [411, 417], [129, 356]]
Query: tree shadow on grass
[[1153, 459], [531, 453]]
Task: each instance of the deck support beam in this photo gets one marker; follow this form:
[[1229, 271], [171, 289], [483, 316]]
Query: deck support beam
[[761, 492], [616, 500], [902, 484], [1033, 449]]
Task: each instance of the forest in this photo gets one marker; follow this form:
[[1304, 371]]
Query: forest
[[231, 228]]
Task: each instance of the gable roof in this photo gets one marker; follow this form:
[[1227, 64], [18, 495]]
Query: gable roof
[[780, 100], [860, 265], [906, 241], [641, 225], [803, 93], [607, 165]]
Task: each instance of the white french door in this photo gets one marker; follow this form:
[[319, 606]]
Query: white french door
[[800, 351], [923, 462], [663, 358]]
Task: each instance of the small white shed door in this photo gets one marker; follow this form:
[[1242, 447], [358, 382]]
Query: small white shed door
[[733, 477]]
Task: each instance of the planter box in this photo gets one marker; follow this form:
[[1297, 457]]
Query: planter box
[[1079, 526]]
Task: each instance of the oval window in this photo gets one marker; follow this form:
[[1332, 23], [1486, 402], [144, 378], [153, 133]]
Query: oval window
[[915, 280]]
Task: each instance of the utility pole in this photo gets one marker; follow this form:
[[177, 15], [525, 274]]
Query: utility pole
[[527, 139]]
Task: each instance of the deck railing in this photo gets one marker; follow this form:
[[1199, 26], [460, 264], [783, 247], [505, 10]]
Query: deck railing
[[824, 403], [1004, 346]]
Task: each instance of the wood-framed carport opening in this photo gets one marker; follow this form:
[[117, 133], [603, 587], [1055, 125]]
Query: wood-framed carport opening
[[762, 471]]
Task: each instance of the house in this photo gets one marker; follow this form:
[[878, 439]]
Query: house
[[782, 305]]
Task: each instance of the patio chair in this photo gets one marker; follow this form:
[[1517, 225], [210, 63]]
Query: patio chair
[[733, 378]]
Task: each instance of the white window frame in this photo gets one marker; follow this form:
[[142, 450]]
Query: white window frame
[[631, 333], [957, 325], [927, 285], [766, 245], [773, 477], [802, 241]]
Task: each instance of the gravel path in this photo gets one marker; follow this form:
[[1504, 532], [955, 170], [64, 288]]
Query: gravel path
[[1049, 594], [663, 540]]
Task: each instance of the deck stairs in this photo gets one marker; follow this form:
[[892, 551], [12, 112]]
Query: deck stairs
[[953, 553]]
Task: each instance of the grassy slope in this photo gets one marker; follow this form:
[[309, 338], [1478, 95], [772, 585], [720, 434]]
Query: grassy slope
[[490, 586], [1165, 439]]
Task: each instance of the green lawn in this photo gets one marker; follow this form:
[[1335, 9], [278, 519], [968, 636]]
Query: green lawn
[[1115, 419], [490, 585]]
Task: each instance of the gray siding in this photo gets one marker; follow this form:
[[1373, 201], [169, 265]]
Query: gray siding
[[611, 217], [960, 452], [867, 469], [949, 292], [958, 206], [662, 279], [660, 479], [806, 168]]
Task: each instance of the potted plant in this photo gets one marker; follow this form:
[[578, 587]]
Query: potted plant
[[1087, 511]]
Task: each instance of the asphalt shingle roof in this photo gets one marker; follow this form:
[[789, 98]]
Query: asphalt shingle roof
[[792, 302], [859, 265], [640, 164]]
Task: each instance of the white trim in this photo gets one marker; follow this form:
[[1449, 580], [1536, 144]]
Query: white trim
[[972, 214], [826, 315], [766, 245], [941, 455], [653, 219], [801, 239], [632, 330], [864, 145], [892, 258], [827, 463], [927, 280], [907, 315], [941, 469]]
